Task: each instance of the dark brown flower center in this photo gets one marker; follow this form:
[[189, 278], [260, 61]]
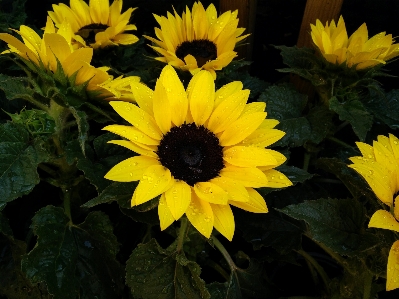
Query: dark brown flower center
[[202, 49], [192, 153], [88, 32]]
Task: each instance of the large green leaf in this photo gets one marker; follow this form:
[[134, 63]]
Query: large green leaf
[[74, 259], [337, 223], [152, 272], [19, 159], [354, 112]]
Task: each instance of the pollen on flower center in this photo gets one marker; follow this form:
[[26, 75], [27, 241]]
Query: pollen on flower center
[[88, 32], [203, 50], [192, 153]]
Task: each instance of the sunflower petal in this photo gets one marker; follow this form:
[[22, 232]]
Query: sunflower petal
[[153, 182], [131, 169], [393, 267], [224, 220], [211, 192], [131, 133], [384, 219], [164, 214], [200, 214], [161, 106], [201, 95], [248, 156], [139, 149], [235, 189], [178, 198], [276, 179], [248, 176], [255, 204]]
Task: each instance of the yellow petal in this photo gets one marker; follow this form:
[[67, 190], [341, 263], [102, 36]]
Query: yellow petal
[[226, 91], [143, 96], [241, 128], [236, 191], [161, 107], [138, 118], [248, 176], [366, 150], [228, 111], [384, 219], [200, 214], [211, 192], [248, 156], [393, 267], [276, 179], [22, 49], [224, 220], [131, 169], [164, 214], [178, 198], [175, 93], [263, 137], [99, 11], [153, 182], [131, 133], [81, 9], [201, 95], [255, 204], [139, 149], [56, 48], [255, 107], [268, 124]]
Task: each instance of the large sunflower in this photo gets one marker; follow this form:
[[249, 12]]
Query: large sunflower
[[379, 166], [96, 25], [357, 50], [201, 150], [198, 39], [56, 48]]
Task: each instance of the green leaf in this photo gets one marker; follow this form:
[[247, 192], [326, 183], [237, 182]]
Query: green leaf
[[15, 87], [152, 272], [354, 112], [337, 223], [114, 192], [74, 259], [320, 120], [384, 106], [285, 104], [18, 162]]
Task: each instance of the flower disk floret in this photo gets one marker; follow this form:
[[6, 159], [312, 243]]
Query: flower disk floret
[[197, 40], [199, 149], [356, 51], [379, 166]]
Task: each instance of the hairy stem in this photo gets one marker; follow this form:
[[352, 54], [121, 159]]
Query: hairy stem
[[225, 254], [182, 233]]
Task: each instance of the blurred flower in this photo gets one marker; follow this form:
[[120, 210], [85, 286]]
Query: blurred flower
[[197, 40], [97, 25], [357, 50], [200, 150], [379, 166]]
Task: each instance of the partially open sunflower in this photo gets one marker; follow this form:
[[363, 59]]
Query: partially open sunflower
[[98, 24], [197, 40], [55, 49], [200, 150]]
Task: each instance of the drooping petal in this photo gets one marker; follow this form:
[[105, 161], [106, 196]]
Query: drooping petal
[[131, 169], [153, 182], [255, 204], [200, 215], [224, 220], [393, 267], [178, 198]]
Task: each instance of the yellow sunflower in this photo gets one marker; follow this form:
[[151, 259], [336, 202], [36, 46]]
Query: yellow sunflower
[[53, 47], [379, 166], [198, 39], [357, 50], [98, 24], [201, 150]]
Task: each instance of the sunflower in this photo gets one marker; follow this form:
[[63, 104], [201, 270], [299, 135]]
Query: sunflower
[[379, 166], [98, 24], [200, 150], [198, 39], [357, 50], [56, 48]]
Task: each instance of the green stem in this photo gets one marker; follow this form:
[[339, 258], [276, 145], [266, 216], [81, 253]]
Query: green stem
[[367, 285], [317, 267], [340, 142], [340, 260], [182, 233], [225, 254], [67, 203], [36, 103], [48, 170]]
